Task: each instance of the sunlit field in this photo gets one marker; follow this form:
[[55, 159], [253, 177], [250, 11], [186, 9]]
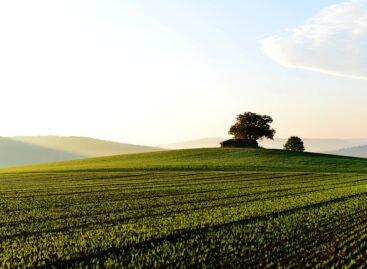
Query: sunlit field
[[164, 218]]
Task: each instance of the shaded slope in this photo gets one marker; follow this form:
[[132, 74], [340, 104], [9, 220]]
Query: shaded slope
[[19, 153], [212, 159], [84, 145]]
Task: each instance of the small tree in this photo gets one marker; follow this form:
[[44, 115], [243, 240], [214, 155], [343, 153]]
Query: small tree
[[252, 127], [294, 143]]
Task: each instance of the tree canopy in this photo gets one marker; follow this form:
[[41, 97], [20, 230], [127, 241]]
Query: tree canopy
[[251, 126], [294, 143]]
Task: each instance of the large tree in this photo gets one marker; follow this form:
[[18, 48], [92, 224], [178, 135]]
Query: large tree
[[251, 126]]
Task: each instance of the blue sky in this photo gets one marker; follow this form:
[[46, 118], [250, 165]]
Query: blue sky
[[155, 72]]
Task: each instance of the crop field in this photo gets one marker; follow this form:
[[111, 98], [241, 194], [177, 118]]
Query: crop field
[[201, 219]]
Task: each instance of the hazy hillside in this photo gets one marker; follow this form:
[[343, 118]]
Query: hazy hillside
[[20, 153], [40, 149], [360, 151], [85, 146], [312, 145], [210, 159], [23, 150]]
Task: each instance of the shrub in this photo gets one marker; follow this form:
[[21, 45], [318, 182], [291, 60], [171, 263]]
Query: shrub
[[294, 143]]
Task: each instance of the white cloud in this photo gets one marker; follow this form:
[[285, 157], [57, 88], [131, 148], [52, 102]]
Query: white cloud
[[334, 41]]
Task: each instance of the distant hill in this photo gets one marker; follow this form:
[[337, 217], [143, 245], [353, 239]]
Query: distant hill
[[360, 151], [212, 159], [312, 145], [85, 146], [22, 150], [19, 153], [317, 145]]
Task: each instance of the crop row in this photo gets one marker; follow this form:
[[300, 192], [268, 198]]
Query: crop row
[[159, 219]]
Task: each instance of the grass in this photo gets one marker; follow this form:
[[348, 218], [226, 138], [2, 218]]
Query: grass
[[191, 208], [212, 159]]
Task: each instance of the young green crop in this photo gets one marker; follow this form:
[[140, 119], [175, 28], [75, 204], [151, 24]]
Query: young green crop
[[182, 219]]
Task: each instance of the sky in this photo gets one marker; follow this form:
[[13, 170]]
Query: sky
[[156, 72]]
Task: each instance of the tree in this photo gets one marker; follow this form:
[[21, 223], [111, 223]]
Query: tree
[[251, 126], [294, 143]]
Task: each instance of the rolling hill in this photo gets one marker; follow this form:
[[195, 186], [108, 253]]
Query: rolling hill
[[86, 146], [24, 150], [211, 159], [14, 153], [213, 208]]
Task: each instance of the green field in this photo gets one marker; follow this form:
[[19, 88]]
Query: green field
[[211, 159], [199, 208]]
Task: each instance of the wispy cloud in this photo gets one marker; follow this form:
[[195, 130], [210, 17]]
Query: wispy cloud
[[334, 41]]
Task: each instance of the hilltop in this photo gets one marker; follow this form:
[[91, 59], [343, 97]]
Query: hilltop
[[311, 144], [211, 159]]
